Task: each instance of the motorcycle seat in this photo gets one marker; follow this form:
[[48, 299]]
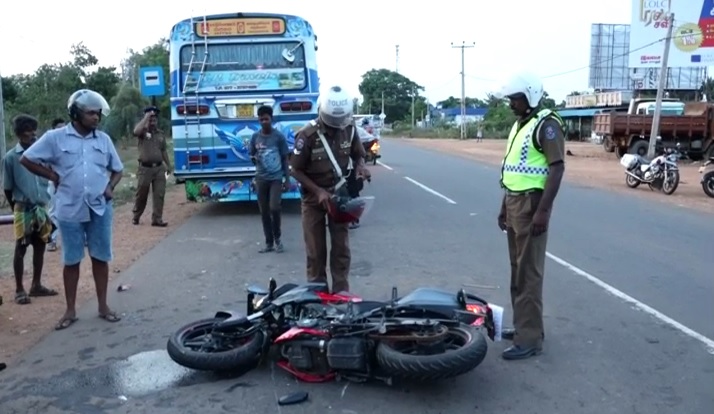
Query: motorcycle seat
[[643, 160]]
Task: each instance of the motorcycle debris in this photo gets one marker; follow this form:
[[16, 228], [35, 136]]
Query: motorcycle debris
[[123, 288], [294, 398]]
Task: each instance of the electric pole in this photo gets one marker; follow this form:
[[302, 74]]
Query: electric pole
[[663, 72], [463, 46], [397, 58], [413, 99], [3, 143]]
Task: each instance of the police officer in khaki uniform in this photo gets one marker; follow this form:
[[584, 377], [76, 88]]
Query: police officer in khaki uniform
[[312, 166], [531, 173], [153, 166]]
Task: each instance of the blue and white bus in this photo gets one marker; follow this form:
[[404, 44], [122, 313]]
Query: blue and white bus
[[223, 67]]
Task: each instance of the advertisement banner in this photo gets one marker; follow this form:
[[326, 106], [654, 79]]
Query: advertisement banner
[[692, 37], [247, 80]]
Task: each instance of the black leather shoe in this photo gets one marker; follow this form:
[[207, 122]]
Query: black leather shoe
[[516, 352], [159, 224], [508, 334]]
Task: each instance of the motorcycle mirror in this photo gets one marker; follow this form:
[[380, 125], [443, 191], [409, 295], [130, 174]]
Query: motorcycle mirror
[[272, 285], [394, 293]]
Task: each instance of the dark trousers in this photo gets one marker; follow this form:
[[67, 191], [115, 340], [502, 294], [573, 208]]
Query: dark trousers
[[315, 234], [270, 194], [527, 257]]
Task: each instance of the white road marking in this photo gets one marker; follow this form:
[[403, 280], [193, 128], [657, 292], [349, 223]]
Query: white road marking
[[709, 343], [429, 190], [385, 165]]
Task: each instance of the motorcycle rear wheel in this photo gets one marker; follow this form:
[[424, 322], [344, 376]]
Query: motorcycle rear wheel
[[631, 181], [470, 353], [231, 359]]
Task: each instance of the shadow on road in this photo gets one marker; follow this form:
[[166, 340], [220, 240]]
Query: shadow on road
[[289, 208]]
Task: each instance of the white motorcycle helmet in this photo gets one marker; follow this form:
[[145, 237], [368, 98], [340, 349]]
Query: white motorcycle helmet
[[85, 100], [335, 108], [527, 84]]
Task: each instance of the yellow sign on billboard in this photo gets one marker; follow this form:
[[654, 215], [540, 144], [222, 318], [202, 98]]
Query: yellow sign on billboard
[[241, 27]]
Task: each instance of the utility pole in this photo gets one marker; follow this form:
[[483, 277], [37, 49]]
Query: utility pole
[[413, 101], [397, 58], [663, 72], [463, 46], [382, 101], [3, 143]]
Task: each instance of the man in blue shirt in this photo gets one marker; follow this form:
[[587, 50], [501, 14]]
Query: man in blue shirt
[[28, 197], [85, 168], [269, 152]]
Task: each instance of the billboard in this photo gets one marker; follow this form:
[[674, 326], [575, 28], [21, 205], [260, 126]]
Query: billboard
[[689, 48], [610, 69]]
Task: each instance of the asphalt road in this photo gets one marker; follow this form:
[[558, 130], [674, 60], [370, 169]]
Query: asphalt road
[[628, 306]]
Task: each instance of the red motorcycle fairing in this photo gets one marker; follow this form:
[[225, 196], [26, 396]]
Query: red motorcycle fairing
[[304, 376], [294, 333], [340, 297]]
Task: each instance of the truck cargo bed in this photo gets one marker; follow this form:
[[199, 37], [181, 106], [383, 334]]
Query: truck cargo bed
[[693, 123], [618, 124]]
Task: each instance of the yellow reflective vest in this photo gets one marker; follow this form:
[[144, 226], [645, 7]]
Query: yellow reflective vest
[[525, 167]]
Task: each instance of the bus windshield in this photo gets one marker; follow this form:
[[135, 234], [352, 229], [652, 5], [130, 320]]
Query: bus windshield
[[245, 67]]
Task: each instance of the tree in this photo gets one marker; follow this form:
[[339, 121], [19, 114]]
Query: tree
[[44, 93], [452, 102], [397, 90]]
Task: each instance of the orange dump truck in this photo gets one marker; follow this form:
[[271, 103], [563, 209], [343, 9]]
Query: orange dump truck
[[630, 132]]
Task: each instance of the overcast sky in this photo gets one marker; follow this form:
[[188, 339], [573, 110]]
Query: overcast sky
[[546, 37]]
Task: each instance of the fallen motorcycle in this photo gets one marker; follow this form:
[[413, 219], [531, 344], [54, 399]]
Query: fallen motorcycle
[[427, 335], [662, 173], [707, 172]]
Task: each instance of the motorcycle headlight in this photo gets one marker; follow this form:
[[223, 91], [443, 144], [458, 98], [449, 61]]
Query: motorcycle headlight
[[258, 302]]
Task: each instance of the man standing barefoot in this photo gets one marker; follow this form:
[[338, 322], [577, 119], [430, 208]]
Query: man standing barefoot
[[28, 197]]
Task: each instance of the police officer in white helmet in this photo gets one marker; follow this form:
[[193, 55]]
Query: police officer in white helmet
[[330, 139], [531, 173]]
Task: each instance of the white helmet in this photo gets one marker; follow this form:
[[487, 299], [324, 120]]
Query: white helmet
[[85, 100], [335, 108], [526, 83]]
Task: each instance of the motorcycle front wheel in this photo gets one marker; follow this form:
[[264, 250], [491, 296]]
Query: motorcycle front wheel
[[631, 181], [708, 184], [670, 183], [464, 349], [196, 346]]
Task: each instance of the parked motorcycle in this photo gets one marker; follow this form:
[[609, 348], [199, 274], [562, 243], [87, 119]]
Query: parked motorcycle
[[427, 335], [662, 173], [707, 171]]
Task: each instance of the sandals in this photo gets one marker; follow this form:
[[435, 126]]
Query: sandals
[[65, 323], [110, 317], [21, 298], [40, 290]]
